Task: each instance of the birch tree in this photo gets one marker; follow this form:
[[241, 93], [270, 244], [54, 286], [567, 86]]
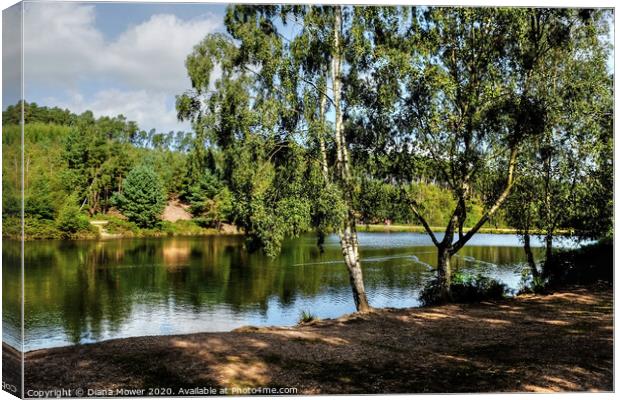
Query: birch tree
[[293, 58], [565, 159], [474, 101]]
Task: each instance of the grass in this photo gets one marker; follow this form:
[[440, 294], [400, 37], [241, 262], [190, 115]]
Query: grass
[[117, 226], [37, 229], [40, 229], [306, 317]]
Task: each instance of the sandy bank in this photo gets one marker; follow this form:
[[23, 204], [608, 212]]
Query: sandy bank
[[561, 342]]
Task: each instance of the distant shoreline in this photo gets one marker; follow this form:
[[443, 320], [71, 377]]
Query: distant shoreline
[[437, 229], [99, 233], [119, 236]]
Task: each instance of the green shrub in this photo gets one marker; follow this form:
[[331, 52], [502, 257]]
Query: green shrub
[[532, 284], [189, 227], [306, 317], [431, 293], [464, 289], [35, 228], [119, 226], [69, 219]]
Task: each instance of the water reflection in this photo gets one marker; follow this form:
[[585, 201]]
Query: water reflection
[[79, 292]]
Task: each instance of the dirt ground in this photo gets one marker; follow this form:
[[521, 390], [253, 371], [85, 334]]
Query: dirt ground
[[559, 342], [176, 211]]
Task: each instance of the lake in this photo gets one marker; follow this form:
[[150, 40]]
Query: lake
[[88, 291]]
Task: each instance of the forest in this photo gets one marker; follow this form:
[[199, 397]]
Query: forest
[[325, 119]]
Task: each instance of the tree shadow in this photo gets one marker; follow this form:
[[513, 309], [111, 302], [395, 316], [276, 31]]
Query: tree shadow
[[561, 342]]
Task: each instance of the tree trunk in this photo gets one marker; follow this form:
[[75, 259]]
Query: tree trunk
[[528, 252], [548, 205], [321, 135], [348, 233], [548, 252], [350, 252], [444, 271]]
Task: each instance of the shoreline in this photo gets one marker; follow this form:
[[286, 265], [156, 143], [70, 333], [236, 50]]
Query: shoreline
[[109, 237], [558, 342], [102, 235]]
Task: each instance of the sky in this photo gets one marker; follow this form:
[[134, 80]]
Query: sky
[[114, 58], [110, 58]]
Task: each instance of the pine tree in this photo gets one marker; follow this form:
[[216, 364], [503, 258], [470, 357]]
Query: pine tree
[[143, 198]]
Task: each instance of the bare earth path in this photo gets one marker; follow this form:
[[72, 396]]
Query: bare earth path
[[561, 342]]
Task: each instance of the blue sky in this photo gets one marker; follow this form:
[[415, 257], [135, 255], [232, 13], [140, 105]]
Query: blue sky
[[114, 58]]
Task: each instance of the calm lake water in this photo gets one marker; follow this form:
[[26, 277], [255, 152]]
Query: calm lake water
[[88, 291]]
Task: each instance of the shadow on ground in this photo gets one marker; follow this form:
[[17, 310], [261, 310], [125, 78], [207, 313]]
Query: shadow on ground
[[560, 342]]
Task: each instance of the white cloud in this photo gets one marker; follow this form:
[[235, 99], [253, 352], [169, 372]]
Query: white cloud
[[149, 109], [61, 43], [141, 70], [153, 53]]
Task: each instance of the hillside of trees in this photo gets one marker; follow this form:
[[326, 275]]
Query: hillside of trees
[[75, 168]]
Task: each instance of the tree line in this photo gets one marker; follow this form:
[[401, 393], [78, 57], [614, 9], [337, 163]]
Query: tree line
[[79, 167]]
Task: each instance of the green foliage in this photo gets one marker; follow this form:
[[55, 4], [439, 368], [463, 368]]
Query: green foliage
[[35, 228], [39, 202], [464, 289], [532, 283], [211, 201], [142, 199], [43, 186], [33, 113], [328, 210], [564, 172], [70, 219], [306, 317], [119, 226], [11, 204], [97, 155], [379, 201], [437, 204]]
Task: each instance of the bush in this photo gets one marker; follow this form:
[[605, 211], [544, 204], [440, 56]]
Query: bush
[[583, 266], [532, 284], [119, 226], [464, 289], [70, 220], [35, 228], [306, 317]]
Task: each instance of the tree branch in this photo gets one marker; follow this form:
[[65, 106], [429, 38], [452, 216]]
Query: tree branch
[[317, 89], [424, 223], [500, 200]]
